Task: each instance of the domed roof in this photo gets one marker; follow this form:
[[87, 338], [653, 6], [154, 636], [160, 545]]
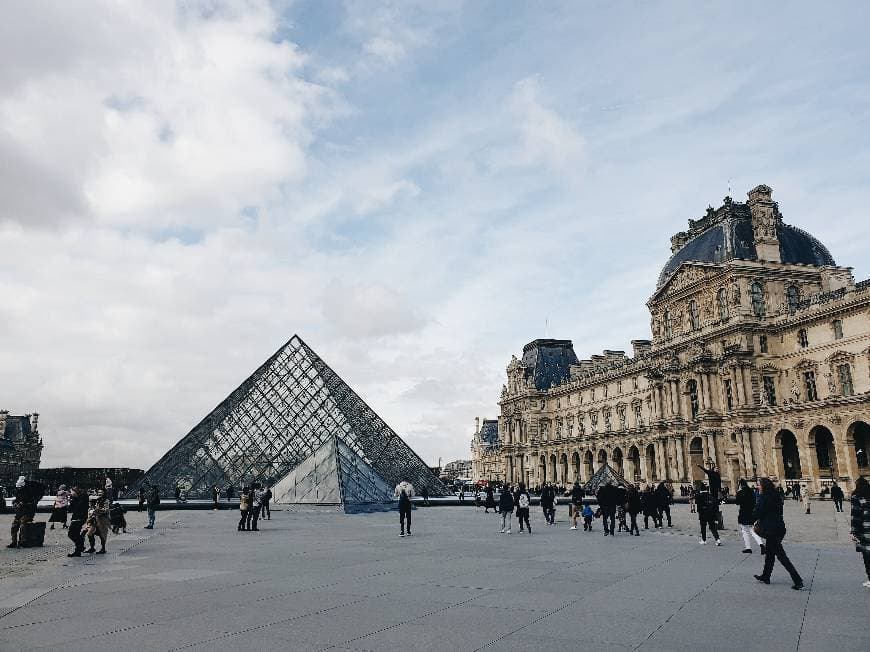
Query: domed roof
[[726, 234]]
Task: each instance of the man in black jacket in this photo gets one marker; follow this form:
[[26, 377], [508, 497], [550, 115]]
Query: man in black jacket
[[663, 504], [78, 509], [25, 509], [708, 509], [576, 503], [837, 496], [607, 502]]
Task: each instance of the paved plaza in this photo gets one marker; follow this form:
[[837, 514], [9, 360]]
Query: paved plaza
[[316, 581]]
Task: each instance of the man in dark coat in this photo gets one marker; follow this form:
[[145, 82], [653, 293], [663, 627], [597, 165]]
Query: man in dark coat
[[837, 496], [708, 511], [607, 499], [152, 503], [490, 499], [714, 481], [663, 503], [576, 503], [506, 508], [745, 499], [548, 502], [78, 509]]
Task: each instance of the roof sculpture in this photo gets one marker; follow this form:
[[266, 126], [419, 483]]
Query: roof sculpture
[[296, 425]]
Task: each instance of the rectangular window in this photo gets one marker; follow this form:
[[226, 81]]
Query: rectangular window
[[838, 329], [729, 397], [803, 339], [845, 374], [810, 384], [769, 389], [762, 343]]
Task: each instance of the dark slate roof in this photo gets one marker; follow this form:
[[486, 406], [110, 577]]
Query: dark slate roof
[[489, 432], [17, 428], [547, 362], [732, 238]]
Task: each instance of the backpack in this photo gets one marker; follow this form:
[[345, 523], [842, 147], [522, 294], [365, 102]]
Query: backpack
[[524, 501]]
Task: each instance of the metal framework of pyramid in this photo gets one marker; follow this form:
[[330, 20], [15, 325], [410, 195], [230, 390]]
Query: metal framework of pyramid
[[600, 477], [296, 426]]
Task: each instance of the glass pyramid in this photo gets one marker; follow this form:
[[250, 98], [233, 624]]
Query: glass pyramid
[[293, 413], [600, 477]]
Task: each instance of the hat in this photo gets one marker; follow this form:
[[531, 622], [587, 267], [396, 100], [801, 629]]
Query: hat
[[20, 482]]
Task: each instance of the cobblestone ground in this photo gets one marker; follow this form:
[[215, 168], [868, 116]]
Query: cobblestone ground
[[317, 581]]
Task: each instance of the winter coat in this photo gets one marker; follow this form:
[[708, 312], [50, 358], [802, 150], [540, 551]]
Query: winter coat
[[506, 502], [662, 496], [404, 491], [861, 523], [633, 503], [153, 499], [577, 495], [490, 498], [837, 492], [548, 497], [768, 512], [707, 506], [78, 507], [244, 502], [607, 496], [648, 503], [745, 499]]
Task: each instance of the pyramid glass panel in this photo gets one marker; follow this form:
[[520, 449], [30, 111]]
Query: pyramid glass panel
[[293, 410]]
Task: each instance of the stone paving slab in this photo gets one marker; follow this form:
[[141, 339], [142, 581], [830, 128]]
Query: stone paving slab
[[328, 581]]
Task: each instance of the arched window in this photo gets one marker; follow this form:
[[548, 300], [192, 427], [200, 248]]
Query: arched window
[[722, 300], [793, 297], [693, 315], [669, 333], [756, 291], [692, 387], [803, 338]]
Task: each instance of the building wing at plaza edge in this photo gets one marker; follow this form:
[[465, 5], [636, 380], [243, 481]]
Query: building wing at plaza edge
[[294, 413], [759, 362]]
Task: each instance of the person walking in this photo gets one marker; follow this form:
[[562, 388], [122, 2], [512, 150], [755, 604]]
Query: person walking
[[837, 496], [768, 517], [548, 503], [98, 522], [506, 508], [523, 500], [708, 509], [424, 492], [860, 530], [141, 498], [215, 495], [576, 503], [59, 510], [78, 512], [663, 499], [265, 509], [633, 505], [588, 515], [490, 500], [244, 509], [648, 505], [805, 497], [404, 491], [607, 502], [745, 499], [152, 503]]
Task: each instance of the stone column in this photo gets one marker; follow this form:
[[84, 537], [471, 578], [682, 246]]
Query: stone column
[[643, 469], [702, 392], [738, 390], [661, 458], [711, 448], [678, 453], [746, 376]]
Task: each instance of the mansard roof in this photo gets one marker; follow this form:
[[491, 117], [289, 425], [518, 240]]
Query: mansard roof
[[548, 362], [489, 432], [726, 234], [17, 428]]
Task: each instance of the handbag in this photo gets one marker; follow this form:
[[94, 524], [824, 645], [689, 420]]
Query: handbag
[[756, 527]]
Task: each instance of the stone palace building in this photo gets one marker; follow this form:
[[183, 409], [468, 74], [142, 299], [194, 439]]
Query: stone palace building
[[758, 363]]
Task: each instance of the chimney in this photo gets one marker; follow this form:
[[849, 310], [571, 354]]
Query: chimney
[[765, 219], [3, 415], [641, 347], [476, 425], [34, 422]]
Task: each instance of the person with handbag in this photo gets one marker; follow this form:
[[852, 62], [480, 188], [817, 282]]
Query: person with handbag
[[745, 499], [769, 525], [860, 531]]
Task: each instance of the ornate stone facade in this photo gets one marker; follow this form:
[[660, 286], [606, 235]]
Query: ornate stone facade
[[759, 361], [20, 446], [487, 462]]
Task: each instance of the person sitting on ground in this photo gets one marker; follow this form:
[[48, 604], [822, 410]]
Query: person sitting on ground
[[98, 522], [587, 518], [403, 492], [506, 508]]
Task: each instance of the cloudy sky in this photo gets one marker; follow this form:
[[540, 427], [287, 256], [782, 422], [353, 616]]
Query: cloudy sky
[[416, 188]]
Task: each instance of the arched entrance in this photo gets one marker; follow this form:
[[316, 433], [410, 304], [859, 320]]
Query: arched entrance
[[602, 458], [791, 459], [588, 463], [634, 463], [575, 465], [826, 456], [696, 459], [859, 433], [617, 460], [651, 471]]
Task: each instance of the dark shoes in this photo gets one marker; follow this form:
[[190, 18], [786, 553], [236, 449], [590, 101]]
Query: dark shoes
[[798, 586], [763, 549], [747, 551], [101, 552], [762, 579], [90, 550], [75, 554], [12, 545]]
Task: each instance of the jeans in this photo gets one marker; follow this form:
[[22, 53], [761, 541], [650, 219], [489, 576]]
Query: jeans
[[608, 514], [711, 521], [748, 535], [243, 518], [774, 549], [267, 514], [523, 517], [405, 513], [506, 520], [838, 504], [19, 529], [151, 514], [633, 528]]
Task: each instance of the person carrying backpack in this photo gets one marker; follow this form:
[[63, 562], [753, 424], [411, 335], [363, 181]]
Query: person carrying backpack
[[404, 492], [523, 500]]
